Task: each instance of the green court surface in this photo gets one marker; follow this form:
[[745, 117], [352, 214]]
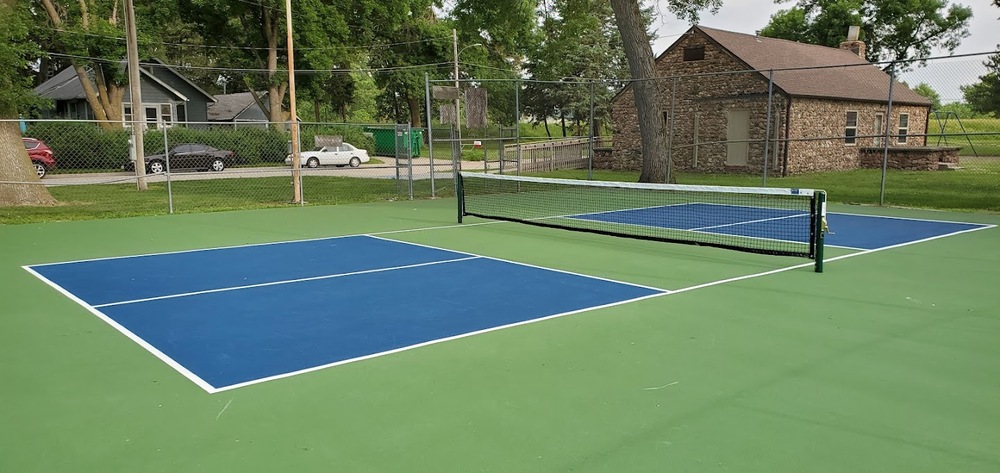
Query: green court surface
[[887, 362]]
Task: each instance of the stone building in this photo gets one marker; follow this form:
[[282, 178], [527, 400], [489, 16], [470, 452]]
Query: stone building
[[825, 105]]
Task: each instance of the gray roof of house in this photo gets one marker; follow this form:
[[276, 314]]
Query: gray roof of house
[[230, 106], [161, 64], [66, 84], [63, 86], [808, 70]]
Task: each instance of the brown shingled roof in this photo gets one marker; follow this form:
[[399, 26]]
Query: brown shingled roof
[[856, 80]]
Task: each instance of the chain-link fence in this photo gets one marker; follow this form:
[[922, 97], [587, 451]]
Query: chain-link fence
[[896, 133], [874, 133], [203, 166]]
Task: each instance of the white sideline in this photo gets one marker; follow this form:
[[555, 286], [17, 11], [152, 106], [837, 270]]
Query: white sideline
[[213, 389]]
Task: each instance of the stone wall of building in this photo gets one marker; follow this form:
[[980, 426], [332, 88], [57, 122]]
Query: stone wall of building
[[805, 134], [818, 127], [700, 93], [910, 158]]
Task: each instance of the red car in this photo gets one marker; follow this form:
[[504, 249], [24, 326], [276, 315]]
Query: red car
[[40, 154]]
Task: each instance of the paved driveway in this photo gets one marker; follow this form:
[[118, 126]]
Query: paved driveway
[[386, 170]]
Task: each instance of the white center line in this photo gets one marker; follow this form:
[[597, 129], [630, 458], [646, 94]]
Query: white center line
[[288, 281]]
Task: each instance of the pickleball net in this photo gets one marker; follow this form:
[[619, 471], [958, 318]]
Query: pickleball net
[[774, 221]]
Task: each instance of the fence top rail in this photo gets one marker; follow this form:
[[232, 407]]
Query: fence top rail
[[549, 144]]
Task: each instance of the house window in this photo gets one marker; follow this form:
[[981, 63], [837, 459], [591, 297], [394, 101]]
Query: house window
[[694, 53], [182, 113], [878, 129], [166, 116], [127, 114], [904, 126], [851, 129]]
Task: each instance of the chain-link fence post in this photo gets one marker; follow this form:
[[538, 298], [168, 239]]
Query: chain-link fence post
[[590, 150], [767, 125], [888, 126], [517, 124], [670, 131], [430, 133], [170, 189]]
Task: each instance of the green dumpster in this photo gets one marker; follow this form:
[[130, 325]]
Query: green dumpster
[[385, 141]]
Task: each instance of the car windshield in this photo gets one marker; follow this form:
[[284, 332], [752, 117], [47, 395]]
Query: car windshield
[[30, 144]]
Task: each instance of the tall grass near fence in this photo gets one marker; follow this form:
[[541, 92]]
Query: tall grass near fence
[[976, 136]]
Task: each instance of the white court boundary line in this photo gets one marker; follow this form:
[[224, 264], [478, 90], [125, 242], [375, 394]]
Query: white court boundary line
[[662, 292], [128, 333], [553, 316], [286, 281]]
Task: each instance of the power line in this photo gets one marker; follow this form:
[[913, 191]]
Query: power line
[[251, 48], [233, 69]]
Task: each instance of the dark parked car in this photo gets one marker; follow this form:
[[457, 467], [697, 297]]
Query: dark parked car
[[187, 156], [40, 154]]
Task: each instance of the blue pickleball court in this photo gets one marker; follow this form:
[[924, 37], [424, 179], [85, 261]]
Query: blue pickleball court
[[230, 317], [852, 231]]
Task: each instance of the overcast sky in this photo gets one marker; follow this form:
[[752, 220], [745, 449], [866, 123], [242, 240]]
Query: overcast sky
[[748, 16]]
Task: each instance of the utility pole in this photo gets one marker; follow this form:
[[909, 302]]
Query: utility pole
[[293, 116], [135, 90], [458, 114]]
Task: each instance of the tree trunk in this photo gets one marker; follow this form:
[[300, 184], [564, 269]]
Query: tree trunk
[[275, 91], [414, 106], [106, 108], [635, 41], [15, 166]]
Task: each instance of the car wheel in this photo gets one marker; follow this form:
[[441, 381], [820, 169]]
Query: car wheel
[[39, 169], [355, 162], [313, 163], [157, 166], [218, 165]]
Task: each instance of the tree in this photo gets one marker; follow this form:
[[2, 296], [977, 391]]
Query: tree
[[893, 30], [930, 94], [635, 41], [88, 34], [579, 44], [508, 32], [416, 37], [16, 56], [984, 96]]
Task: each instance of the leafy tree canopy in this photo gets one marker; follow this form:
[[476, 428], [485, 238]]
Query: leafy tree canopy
[[893, 30], [984, 96], [16, 56], [930, 94]]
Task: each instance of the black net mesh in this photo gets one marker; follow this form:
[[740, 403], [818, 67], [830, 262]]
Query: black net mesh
[[759, 220]]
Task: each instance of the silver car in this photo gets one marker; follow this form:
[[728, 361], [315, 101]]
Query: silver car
[[344, 154]]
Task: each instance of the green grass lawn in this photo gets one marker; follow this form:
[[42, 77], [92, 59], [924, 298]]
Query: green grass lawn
[[980, 135], [975, 187], [85, 202]]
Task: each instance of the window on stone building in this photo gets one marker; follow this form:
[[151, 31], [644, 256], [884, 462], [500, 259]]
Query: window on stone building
[[904, 127], [694, 53], [851, 129]]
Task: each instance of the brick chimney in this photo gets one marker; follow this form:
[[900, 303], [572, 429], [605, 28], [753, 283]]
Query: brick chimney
[[853, 44]]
